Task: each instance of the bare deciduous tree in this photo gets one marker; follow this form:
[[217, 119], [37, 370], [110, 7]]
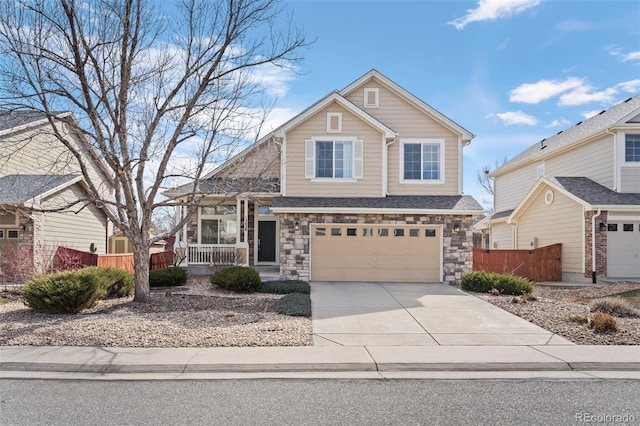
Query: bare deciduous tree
[[483, 179], [147, 88]]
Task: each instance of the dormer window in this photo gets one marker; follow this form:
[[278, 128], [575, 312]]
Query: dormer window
[[334, 122], [371, 97]]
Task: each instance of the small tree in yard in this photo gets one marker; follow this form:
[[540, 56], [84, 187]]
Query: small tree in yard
[[158, 94]]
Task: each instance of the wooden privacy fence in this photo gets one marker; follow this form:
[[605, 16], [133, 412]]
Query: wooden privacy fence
[[67, 259], [541, 264]]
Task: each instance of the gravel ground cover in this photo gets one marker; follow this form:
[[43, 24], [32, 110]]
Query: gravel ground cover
[[197, 315], [554, 306]]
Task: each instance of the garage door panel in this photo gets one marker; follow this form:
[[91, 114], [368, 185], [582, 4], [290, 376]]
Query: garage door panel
[[341, 252], [623, 249]]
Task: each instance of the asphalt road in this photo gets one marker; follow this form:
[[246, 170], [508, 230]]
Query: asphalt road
[[319, 402]]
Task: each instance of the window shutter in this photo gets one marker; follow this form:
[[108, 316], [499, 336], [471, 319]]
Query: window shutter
[[357, 159], [309, 159]]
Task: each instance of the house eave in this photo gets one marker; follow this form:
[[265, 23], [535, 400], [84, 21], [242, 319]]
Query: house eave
[[352, 210]]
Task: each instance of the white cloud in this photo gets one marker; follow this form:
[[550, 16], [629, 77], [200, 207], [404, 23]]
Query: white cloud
[[533, 93], [631, 86], [572, 25], [558, 123], [589, 114], [490, 10], [517, 117], [584, 95], [625, 57]]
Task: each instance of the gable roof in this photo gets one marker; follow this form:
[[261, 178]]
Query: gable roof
[[301, 117], [454, 204], [412, 99], [12, 121], [596, 125], [583, 191], [16, 189]]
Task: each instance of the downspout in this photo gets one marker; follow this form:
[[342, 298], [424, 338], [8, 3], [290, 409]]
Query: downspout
[[385, 189], [593, 245]]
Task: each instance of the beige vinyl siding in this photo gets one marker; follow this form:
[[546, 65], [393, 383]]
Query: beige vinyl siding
[[70, 229], [511, 188], [411, 123], [630, 179], [263, 162], [560, 222], [37, 151], [501, 236], [371, 183], [593, 160]]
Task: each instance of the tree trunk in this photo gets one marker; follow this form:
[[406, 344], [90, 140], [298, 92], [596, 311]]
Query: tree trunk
[[141, 273]]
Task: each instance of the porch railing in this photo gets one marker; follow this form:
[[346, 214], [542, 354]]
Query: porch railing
[[199, 254]]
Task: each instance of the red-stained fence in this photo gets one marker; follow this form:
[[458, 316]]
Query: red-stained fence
[[541, 264]]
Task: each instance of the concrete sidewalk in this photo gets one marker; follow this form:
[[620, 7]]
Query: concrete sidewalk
[[319, 359]]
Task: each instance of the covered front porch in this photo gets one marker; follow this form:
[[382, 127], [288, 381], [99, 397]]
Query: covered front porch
[[223, 232]]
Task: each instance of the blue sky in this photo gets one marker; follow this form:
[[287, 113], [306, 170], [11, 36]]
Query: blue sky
[[510, 71]]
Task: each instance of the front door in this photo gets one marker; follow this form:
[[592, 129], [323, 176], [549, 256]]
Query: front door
[[267, 241]]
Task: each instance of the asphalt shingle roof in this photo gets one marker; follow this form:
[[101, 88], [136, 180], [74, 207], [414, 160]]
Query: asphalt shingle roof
[[427, 202], [594, 193], [21, 188], [11, 119], [586, 128]]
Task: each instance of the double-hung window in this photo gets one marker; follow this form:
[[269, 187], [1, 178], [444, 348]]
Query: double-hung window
[[338, 159], [632, 148], [421, 161], [218, 224]]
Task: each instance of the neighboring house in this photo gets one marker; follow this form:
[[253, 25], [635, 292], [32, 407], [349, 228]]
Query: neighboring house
[[38, 174], [580, 183], [119, 244], [364, 185]]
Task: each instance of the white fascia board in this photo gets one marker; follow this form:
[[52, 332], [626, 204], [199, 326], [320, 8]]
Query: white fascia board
[[52, 191], [351, 210], [524, 203], [349, 106], [412, 99]]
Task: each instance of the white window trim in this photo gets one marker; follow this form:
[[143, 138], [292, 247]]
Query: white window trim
[[374, 90], [1, 234], [15, 223], [540, 171], [17, 237], [330, 116], [624, 151], [421, 181], [201, 216], [357, 165]]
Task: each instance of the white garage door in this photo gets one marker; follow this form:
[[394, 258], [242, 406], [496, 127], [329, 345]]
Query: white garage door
[[377, 253], [623, 249]]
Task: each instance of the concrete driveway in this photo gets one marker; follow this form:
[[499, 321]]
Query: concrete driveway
[[398, 314]]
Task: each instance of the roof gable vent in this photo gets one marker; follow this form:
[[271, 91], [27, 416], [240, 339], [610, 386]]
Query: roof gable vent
[[334, 122], [371, 97]]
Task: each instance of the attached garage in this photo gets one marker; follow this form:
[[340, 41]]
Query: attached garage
[[376, 253], [623, 248]]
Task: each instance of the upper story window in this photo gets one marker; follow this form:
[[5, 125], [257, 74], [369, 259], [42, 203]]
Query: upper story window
[[339, 159], [422, 161], [540, 171], [632, 148], [371, 97]]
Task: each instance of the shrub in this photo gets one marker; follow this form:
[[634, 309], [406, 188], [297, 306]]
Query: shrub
[[61, 293], [286, 287], [614, 306], [171, 276], [295, 305], [601, 323], [112, 282], [484, 282], [580, 319], [237, 278]]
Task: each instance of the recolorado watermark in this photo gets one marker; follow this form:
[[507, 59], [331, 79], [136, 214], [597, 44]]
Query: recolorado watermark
[[625, 418]]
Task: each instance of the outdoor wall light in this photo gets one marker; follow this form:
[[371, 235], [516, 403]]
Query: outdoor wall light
[[603, 226], [296, 225], [456, 227]]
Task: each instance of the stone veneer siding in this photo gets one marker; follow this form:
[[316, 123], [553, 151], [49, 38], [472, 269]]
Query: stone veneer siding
[[601, 245], [294, 244]]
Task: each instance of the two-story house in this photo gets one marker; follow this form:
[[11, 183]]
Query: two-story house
[[364, 185], [581, 188], [42, 192]]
